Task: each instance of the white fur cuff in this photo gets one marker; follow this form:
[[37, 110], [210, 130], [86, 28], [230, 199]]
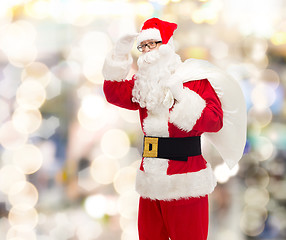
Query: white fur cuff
[[186, 112], [115, 69], [168, 187]]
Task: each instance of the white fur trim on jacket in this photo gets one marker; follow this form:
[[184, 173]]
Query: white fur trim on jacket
[[115, 69], [169, 187], [148, 34], [156, 124], [186, 112]]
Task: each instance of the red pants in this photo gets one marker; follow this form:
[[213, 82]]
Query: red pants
[[185, 219]]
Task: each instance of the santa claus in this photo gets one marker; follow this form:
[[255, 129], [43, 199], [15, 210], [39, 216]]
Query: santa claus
[[178, 102]]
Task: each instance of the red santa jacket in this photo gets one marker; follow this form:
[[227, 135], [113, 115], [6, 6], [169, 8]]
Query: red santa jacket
[[199, 111]]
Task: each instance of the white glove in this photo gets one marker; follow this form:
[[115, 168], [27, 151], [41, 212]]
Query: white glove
[[124, 45], [175, 84]]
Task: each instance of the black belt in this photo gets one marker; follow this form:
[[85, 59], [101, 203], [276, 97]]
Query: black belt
[[172, 148]]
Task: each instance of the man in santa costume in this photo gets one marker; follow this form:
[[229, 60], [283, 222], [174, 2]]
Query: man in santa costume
[[178, 102]]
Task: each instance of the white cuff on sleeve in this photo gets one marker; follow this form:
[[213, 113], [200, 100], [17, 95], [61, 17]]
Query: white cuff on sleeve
[[115, 69], [188, 110]]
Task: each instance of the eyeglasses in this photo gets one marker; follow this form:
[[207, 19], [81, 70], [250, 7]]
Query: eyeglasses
[[150, 45]]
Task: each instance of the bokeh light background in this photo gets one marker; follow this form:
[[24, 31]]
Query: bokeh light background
[[68, 159]]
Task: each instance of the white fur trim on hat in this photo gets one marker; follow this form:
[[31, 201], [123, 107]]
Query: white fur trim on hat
[[186, 112], [148, 34], [169, 187]]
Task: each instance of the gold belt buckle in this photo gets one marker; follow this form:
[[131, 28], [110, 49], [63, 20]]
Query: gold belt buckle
[[150, 147]]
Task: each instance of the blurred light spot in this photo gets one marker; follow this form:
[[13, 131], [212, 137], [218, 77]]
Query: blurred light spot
[[251, 20], [263, 96], [260, 116], [127, 204], [8, 88], [129, 116], [48, 127], [93, 106], [54, 88], [6, 16], [31, 95], [20, 233], [144, 9], [130, 231], [84, 90], [28, 158], [78, 13], [18, 43], [256, 197], [259, 50], [223, 173], [276, 132], [24, 216], [94, 47], [219, 50], [270, 77], [95, 206], [23, 193], [27, 121], [5, 110], [64, 227], [162, 2], [252, 220], [9, 176], [92, 70], [103, 169], [98, 205], [10, 137], [91, 113], [227, 234], [106, 8], [85, 181], [95, 41], [124, 180], [197, 52], [22, 55], [115, 143], [129, 228], [38, 9], [89, 230], [38, 72], [69, 71], [207, 13], [258, 177], [19, 33], [279, 38], [264, 147]]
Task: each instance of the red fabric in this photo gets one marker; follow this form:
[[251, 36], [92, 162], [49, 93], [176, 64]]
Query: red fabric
[[211, 120], [120, 93], [185, 219], [166, 28]]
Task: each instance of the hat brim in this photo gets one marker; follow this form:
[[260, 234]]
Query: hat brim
[[149, 34]]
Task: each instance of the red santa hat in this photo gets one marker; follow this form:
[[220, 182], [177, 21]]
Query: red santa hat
[[156, 29]]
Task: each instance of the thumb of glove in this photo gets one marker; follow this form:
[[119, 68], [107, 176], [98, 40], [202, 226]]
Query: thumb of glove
[[175, 85]]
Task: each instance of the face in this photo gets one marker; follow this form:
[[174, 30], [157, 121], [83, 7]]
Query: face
[[152, 43]]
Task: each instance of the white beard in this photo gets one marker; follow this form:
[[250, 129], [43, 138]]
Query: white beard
[[154, 69]]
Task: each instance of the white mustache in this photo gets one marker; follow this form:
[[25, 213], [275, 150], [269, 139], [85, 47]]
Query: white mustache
[[148, 58]]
